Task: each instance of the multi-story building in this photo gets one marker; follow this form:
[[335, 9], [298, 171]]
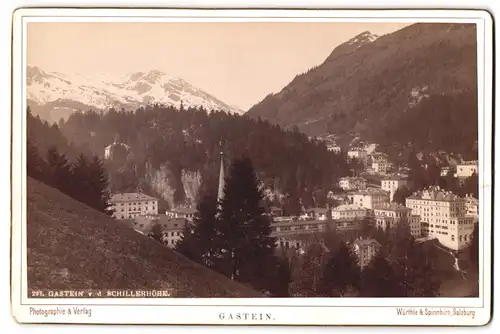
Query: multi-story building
[[181, 212], [285, 226], [352, 183], [172, 228], [445, 171], [334, 148], [390, 215], [444, 216], [131, 205], [393, 183], [380, 162], [471, 206], [467, 168], [369, 198], [382, 167], [357, 153], [350, 212], [365, 250]]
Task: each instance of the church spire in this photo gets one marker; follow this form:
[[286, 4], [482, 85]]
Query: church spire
[[220, 193]]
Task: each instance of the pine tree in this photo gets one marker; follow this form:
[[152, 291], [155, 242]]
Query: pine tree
[[417, 274], [401, 194], [474, 247], [414, 270], [36, 166], [308, 273], [378, 278], [471, 186], [245, 227], [342, 272], [59, 172], [156, 233], [283, 277], [198, 241], [98, 186], [81, 180]]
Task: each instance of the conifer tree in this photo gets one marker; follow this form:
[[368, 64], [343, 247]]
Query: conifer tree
[[401, 194], [59, 172], [308, 274], [342, 272], [415, 271], [474, 247], [378, 278], [156, 232], [81, 180], [36, 166], [198, 241], [245, 228], [98, 186]]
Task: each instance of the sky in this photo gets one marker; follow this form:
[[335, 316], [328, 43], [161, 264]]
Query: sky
[[239, 63]]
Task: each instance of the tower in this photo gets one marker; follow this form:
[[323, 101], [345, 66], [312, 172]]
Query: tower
[[220, 193]]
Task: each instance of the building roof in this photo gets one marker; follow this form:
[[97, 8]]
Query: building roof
[[395, 178], [297, 222], [471, 199], [353, 178], [129, 197], [468, 163], [369, 192], [348, 207], [434, 193], [169, 224], [184, 210], [390, 207]]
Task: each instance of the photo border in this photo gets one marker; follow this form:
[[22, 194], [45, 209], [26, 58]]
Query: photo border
[[300, 306]]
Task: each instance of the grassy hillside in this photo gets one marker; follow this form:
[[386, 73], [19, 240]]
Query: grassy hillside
[[71, 246]]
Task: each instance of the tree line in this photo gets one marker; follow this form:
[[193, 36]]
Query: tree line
[[190, 139], [83, 178]]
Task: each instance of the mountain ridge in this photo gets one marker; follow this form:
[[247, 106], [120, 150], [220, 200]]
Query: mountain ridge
[[357, 89], [53, 95]]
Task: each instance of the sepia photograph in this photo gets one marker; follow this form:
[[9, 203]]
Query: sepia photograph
[[335, 160]]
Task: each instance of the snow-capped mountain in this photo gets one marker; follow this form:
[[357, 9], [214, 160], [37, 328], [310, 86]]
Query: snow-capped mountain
[[54, 95], [361, 39]]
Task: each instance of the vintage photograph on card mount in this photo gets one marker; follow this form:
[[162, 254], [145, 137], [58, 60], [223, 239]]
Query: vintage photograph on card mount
[[252, 166]]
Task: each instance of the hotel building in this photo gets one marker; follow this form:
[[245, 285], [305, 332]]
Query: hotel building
[[443, 216], [390, 215], [352, 183], [131, 205], [369, 198], [350, 212]]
